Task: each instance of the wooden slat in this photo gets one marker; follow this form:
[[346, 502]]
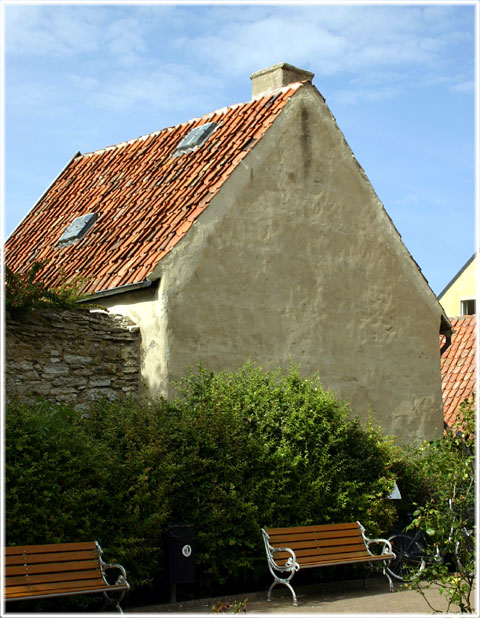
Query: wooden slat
[[309, 557], [333, 559], [58, 586], [313, 551], [51, 548], [349, 560], [45, 589], [50, 557], [17, 580], [330, 534], [341, 555], [321, 544], [317, 528], [53, 567], [61, 593]]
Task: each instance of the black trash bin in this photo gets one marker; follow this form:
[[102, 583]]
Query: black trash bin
[[180, 554]]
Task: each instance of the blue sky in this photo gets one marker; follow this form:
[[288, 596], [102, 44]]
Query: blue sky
[[399, 78]]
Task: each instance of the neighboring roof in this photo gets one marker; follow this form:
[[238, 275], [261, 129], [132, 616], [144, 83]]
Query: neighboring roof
[[461, 271], [458, 366], [145, 196]]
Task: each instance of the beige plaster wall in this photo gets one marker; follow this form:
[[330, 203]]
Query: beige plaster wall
[[146, 307], [296, 259]]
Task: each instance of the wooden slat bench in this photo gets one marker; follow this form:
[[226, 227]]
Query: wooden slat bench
[[305, 547], [62, 569]]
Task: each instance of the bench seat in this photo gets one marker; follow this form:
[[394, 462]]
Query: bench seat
[[303, 547]]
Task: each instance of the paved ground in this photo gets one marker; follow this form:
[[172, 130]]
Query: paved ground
[[345, 597]]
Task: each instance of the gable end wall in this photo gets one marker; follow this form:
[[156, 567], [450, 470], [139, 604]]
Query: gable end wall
[[296, 259]]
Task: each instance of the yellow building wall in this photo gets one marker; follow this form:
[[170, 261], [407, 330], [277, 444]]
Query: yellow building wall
[[463, 288]]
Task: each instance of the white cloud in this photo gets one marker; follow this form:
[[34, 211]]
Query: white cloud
[[124, 40], [50, 31], [392, 43], [419, 197], [153, 90], [63, 32], [241, 48], [352, 96], [122, 56], [35, 101], [467, 86]]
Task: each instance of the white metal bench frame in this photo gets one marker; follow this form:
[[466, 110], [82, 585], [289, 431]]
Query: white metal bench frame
[[282, 574]]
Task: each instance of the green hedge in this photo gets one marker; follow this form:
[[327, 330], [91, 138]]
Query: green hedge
[[103, 476], [235, 452]]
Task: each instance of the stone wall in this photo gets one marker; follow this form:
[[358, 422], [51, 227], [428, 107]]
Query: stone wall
[[71, 357]]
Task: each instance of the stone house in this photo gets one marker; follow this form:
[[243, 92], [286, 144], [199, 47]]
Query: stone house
[[250, 233]]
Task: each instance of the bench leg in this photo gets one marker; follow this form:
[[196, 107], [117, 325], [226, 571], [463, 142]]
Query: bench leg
[[385, 572], [387, 575], [285, 582], [110, 601], [367, 575]]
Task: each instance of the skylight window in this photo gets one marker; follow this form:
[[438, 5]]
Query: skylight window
[[196, 138], [77, 229]]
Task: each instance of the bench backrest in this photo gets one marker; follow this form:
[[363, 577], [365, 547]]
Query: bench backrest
[[328, 543], [44, 569]]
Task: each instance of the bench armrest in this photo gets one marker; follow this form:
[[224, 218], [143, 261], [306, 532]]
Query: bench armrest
[[122, 578], [387, 546], [290, 565]]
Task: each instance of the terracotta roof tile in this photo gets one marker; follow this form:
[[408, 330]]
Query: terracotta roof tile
[[146, 197], [459, 366]]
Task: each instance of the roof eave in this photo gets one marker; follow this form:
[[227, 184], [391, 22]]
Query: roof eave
[[122, 289]]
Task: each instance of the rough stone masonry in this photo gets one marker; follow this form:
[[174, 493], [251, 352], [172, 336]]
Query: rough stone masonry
[[71, 357]]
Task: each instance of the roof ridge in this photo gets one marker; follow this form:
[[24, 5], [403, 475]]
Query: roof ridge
[[221, 110], [291, 86]]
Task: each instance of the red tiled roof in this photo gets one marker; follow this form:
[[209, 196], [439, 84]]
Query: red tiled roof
[[146, 199], [458, 366]]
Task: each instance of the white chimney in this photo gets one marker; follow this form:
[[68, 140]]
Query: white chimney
[[277, 76]]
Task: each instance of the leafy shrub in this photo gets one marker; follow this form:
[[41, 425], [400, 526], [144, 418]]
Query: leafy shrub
[[447, 513], [430, 470], [235, 452], [24, 292], [272, 449]]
